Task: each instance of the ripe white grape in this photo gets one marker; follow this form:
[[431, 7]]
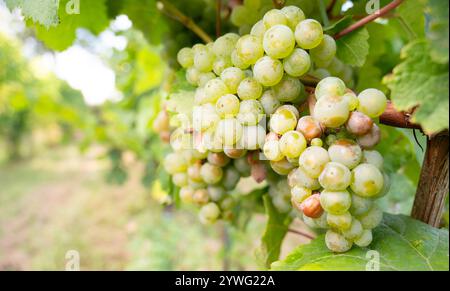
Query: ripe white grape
[[250, 112], [291, 108], [229, 131], [268, 71], [283, 120], [192, 75], [269, 102], [335, 177], [335, 202], [372, 102], [352, 100], [308, 34], [360, 205], [358, 123], [253, 137], [340, 222], [249, 88], [288, 89], [272, 150], [336, 242], [221, 64], [346, 152], [200, 196], [249, 49], [320, 73], [299, 194], [279, 41], [367, 180], [175, 163], [330, 87], [238, 61], [224, 45], [203, 78], [331, 112], [325, 51], [204, 60], [364, 239], [313, 160], [373, 157], [294, 15], [186, 194], [309, 127], [209, 213], [297, 63], [258, 29], [193, 172], [274, 17], [228, 106], [298, 177], [317, 142], [215, 89], [204, 117], [180, 179], [370, 139], [292, 144], [282, 167], [372, 218], [232, 77], [210, 173], [354, 231], [185, 57], [216, 193]]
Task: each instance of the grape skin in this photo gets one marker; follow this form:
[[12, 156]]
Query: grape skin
[[268, 71], [269, 102], [232, 77], [210, 173], [297, 63], [337, 242], [364, 239], [335, 202], [250, 112], [345, 152], [227, 106], [325, 51], [308, 34], [272, 150], [294, 16], [283, 120], [274, 17], [288, 89], [340, 222], [279, 41], [372, 218], [209, 213], [185, 57], [367, 180], [335, 177], [331, 112], [330, 87], [229, 131], [298, 177], [309, 127], [249, 88], [372, 102], [282, 167], [253, 137], [354, 231], [313, 161], [249, 49], [373, 157], [292, 144]]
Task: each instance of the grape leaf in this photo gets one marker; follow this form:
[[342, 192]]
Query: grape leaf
[[44, 12], [276, 229], [338, 25], [411, 15], [92, 16], [438, 30], [419, 81], [353, 48], [401, 243]]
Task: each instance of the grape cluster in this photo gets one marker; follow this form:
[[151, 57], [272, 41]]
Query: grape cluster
[[247, 106]]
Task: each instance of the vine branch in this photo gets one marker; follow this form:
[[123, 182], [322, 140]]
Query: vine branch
[[278, 3], [173, 12], [301, 233], [383, 11], [218, 18]]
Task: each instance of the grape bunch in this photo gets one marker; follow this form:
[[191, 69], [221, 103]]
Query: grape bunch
[[248, 119]]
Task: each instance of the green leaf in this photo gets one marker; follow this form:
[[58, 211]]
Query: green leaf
[[92, 16], [438, 30], [353, 48], [44, 12], [401, 243], [181, 102], [411, 16], [276, 229], [419, 81], [338, 25]]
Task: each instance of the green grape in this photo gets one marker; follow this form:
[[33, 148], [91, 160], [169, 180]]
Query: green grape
[[227, 203], [372, 102], [299, 177], [216, 193], [180, 179], [185, 57], [358, 123], [282, 167], [386, 187], [234, 153], [320, 222], [297, 63], [292, 144], [372, 218], [274, 17], [354, 231], [242, 165], [204, 117], [209, 213], [340, 222], [269, 102], [210, 173], [175, 163], [232, 77], [179, 140], [279, 41], [252, 4], [210, 141], [250, 112], [330, 87], [293, 161], [221, 64], [240, 15], [268, 71], [352, 100], [218, 159], [249, 49], [299, 194], [291, 108], [186, 194], [335, 177], [331, 112], [325, 51], [309, 127], [367, 180], [345, 152], [204, 60], [360, 205], [308, 34], [214, 89], [336, 67], [320, 73], [252, 137], [198, 155], [272, 150], [224, 45], [229, 131], [365, 239], [288, 89], [336, 242], [200, 97], [294, 16], [192, 75], [230, 178], [198, 47], [200, 196], [238, 61], [316, 142], [313, 161], [258, 29], [374, 158], [283, 120], [370, 139], [249, 88], [228, 106], [205, 78], [335, 202], [193, 173]]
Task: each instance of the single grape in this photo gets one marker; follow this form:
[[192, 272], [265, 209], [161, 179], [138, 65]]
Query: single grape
[[252, 137], [215, 89], [272, 150], [308, 34], [367, 180], [373, 157], [224, 45], [288, 89], [238, 61], [227, 203], [258, 29], [370, 139], [282, 167], [372, 218], [325, 51], [298, 177], [192, 75], [232, 77], [365, 239], [175, 163], [330, 87], [249, 88], [283, 120], [309, 127], [354, 231], [229, 131], [249, 49], [250, 112], [294, 16], [220, 64], [360, 205], [203, 78], [320, 73], [352, 100], [200, 97], [234, 153], [228, 106], [335, 177], [193, 172], [292, 144], [336, 67], [268, 71], [230, 179], [345, 152], [340, 222], [274, 17], [291, 108], [335, 202], [372, 102], [242, 165], [297, 63], [186, 194], [299, 194], [311, 206], [200, 196], [161, 122], [293, 161], [279, 41], [204, 60], [269, 102], [313, 161], [331, 112], [180, 179], [240, 15], [316, 142], [218, 159], [336, 242], [216, 193], [209, 213], [210, 173], [386, 187], [185, 57], [204, 117], [358, 123]]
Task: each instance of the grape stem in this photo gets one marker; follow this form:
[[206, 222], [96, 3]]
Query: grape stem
[[278, 3], [383, 11], [170, 10], [301, 233], [218, 18], [330, 7]]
